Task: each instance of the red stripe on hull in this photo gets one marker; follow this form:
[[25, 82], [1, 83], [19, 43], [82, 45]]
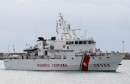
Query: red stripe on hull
[[85, 63]]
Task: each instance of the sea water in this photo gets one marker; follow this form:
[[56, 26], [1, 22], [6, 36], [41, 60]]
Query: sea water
[[122, 76]]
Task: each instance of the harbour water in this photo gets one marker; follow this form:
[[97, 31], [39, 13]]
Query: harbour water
[[122, 76]]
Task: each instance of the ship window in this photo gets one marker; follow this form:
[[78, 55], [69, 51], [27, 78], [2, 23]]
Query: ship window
[[64, 57], [84, 42], [92, 42], [76, 42], [89, 42], [67, 42], [67, 47], [80, 42], [51, 47], [45, 52], [72, 42]]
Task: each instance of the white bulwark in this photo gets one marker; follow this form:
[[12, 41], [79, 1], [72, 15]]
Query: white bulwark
[[69, 53]]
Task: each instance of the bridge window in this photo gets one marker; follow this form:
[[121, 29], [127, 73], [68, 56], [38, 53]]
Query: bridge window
[[80, 42], [76, 42], [72, 42], [67, 47], [67, 43], [91, 42], [84, 42]]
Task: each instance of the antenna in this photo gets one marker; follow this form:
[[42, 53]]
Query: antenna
[[57, 31], [123, 47], [13, 48], [85, 33], [8, 49]]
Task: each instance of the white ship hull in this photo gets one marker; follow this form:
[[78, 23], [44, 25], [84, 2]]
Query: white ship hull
[[69, 53], [84, 63]]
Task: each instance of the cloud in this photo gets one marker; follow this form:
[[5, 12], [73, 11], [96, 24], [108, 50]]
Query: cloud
[[21, 20]]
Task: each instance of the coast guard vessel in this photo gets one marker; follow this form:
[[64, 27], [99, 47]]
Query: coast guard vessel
[[70, 52]]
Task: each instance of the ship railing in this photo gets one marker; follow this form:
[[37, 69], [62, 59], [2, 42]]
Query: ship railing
[[80, 54], [11, 57], [105, 54], [36, 57]]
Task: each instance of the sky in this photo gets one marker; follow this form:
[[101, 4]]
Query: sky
[[22, 21]]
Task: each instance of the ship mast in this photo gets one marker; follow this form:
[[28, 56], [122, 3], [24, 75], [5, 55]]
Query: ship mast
[[68, 33]]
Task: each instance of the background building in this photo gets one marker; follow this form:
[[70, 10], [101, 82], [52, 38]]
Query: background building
[[1, 56], [127, 56]]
